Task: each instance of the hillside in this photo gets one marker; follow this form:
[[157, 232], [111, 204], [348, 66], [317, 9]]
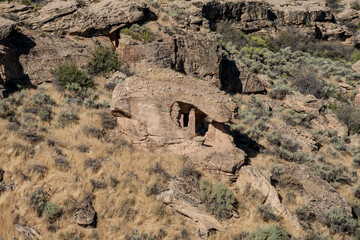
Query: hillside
[[178, 119]]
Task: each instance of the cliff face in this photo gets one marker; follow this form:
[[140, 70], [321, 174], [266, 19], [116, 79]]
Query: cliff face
[[179, 120]]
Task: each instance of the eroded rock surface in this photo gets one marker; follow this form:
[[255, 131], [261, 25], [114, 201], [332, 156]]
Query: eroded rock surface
[[312, 190], [183, 195], [179, 113], [85, 214], [261, 180], [101, 18], [6, 27]]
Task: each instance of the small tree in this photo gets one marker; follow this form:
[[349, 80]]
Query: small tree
[[103, 61], [68, 76]]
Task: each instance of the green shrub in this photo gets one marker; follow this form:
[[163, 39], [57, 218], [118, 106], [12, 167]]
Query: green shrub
[[139, 33], [69, 77], [188, 170], [45, 114], [67, 117], [92, 103], [69, 236], [41, 99], [334, 175], [16, 98], [5, 110], [108, 121], [338, 222], [258, 129], [338, 143], [98, 184], [312, 235], [356, 54], [298, 157], [356, 191], [275, 170], [305, 215], [38, 200], [280, 90], [254, 111], [355, 5], [52, 211], [267, 213], [103, 61], [350, 116], [293, 118], [333, 4], [305, 81], [269, 233], [356, 160], [219, 200], [154, 189], [274, 138]]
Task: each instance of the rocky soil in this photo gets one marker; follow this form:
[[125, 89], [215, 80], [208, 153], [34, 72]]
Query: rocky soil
[[179, 119]]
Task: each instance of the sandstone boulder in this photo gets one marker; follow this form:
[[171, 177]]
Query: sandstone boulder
[[302, 103], [171, 111], [6, 27], [183, 196], [85, 215]]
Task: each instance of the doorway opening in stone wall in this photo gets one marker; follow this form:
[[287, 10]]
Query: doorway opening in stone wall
[[187, 116]]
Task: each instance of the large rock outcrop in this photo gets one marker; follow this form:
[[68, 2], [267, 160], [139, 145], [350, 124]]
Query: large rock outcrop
[[296, 179], [28, 57], [101, 18], [178, 113], [198, 55], [312, 190], [260, 180]]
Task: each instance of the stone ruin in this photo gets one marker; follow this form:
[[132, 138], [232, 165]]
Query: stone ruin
[[181, 114]]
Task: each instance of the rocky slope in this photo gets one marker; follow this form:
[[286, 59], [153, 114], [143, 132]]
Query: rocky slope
[[179, 120]]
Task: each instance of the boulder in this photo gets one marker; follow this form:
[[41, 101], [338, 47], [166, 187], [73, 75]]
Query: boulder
[[303, 103], [183, 196], [171, 111], [85, 214], [6, 27]]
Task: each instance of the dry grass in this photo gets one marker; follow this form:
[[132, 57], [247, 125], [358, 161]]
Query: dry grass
[[129, 166]]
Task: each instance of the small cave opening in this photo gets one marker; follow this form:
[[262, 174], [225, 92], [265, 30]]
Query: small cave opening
[[188, 116], [185, 119]]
